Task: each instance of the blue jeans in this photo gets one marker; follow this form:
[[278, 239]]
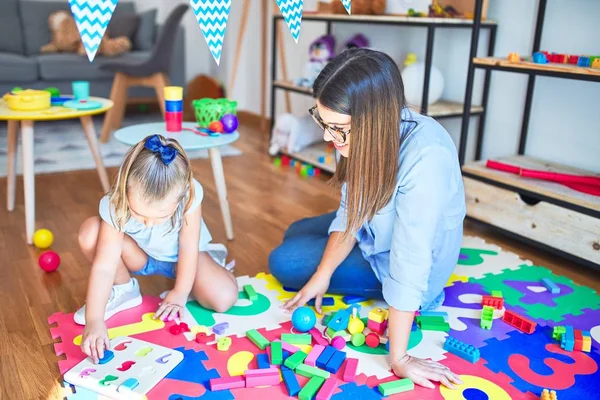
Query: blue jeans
[[297, 258]]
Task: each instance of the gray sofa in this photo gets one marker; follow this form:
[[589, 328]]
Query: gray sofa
[[24, 30]]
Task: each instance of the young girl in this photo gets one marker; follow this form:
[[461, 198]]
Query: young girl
[[150, 223], [398, 230]]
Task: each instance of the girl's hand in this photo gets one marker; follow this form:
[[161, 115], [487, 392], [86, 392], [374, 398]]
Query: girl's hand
[[172, 307], [315, 288], [95, 340], [422, 372]]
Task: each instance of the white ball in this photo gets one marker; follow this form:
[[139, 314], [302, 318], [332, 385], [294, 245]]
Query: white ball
[[413, 77]]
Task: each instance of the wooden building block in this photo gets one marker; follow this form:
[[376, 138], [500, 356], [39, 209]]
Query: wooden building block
[[316, 351], [295, 359], [276, 353], [311, 388], [262, 360], [378, 314], [328, 389], [336, 361], [259, 340], [264, 377], [318, 337], [302, 339], [350, 370], [393, 387], [250, 292], [233, 382], [290, 381], [325, 356], [310, 371]]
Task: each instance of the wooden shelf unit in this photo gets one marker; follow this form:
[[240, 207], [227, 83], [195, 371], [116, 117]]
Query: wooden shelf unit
[[441, 109], [311, 155], [543, 214]]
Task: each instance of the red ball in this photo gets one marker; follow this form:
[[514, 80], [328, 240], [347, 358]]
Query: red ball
[[49, 261], [372, 340], [216, 126]]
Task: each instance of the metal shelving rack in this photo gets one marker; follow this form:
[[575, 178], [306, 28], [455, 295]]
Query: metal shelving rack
[[442, 109], [534, 190]]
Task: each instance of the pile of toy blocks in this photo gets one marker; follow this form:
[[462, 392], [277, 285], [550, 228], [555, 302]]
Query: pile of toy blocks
[[321, 363], [302, 169], [495, 301], [572, 339]]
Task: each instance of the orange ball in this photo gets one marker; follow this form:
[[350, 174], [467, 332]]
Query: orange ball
[[216, 126]]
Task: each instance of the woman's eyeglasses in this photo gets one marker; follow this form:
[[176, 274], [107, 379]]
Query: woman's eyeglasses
[[339, 135]]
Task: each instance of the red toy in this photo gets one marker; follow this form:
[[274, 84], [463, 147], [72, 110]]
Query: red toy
[[372, 340], [178, 329], [49, 261], [203, 338], [522, 324], [496, 302], [216, 126]]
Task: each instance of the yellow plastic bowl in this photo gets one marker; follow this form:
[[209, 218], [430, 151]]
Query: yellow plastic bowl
[[28, 100]]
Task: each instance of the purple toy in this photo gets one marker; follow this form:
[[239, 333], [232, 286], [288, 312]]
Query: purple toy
[[357, 41], [230, 123], [322, 49]]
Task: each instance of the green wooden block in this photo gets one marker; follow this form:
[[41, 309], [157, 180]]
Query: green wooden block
[[487, 317], [250, 292], [276, 353], [496, 293], [310, 371], [295, 359], [259, 340], [304, 338], [330, 332], [327, 318], [435, 326], [393, 387], [429, 319], [311, 388]]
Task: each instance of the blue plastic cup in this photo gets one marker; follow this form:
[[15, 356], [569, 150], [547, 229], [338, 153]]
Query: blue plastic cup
[[81, 90]]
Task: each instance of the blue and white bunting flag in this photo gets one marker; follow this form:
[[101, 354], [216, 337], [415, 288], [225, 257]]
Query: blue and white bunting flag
[[92, 18], [212, 18], [347, 5], [292, 14]]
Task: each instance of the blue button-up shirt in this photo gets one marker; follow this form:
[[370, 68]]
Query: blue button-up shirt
[[414, 241]]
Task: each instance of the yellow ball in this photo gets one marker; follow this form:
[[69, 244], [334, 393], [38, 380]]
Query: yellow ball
[[43, 238]]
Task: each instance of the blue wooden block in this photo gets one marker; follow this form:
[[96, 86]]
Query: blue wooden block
[[351, 299], [414, 326], [285, 354], [583, 61], [289, 289], [263, 361], [291, 382], [387, 346], [335, 362], [434, 314], [325, 356], [327, 301], [585, 333], [174, 105], [540, 58], [340, 320], [461, 349], [551, 286]]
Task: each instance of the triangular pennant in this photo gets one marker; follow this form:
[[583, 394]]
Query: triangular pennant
[[92, 18], [292, 13], [347, 5], [212, 18]]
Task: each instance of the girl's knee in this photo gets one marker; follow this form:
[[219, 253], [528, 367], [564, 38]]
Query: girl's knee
[[88, 233]]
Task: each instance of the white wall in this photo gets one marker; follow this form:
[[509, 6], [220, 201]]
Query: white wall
[[564, 121]]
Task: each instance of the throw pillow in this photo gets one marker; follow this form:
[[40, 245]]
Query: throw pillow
[[146, 31], [123, 25]]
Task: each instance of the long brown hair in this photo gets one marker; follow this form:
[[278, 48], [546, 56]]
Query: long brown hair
[[153, 180], [367, 85]]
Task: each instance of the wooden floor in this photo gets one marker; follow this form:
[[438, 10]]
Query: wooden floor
[[264, 201]]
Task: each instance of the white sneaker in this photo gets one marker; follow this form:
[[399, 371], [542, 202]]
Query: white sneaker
[[120, 300], [218, 252]]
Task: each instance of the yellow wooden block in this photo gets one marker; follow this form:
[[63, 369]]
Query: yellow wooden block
[[147, 324], [587, 344], [378, 315]]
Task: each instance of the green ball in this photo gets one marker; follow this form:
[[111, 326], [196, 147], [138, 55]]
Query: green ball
[[358, 339]]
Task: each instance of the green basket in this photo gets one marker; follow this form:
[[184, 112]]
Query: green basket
[[209, 110]]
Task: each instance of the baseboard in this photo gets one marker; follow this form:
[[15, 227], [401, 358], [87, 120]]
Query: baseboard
[[254, 120]]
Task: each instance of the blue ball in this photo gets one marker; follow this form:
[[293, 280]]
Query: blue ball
[[304, 319]]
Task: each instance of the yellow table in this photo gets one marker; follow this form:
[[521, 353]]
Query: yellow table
[[27, 119]]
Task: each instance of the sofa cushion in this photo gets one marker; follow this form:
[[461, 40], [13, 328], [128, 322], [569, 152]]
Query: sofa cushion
[[11, 31], [146, 31], [17, 68], [65, 66], [35, 13], [123, 25]]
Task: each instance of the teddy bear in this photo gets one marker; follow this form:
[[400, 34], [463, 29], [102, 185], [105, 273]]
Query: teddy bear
[[66, 39], [361, 7]]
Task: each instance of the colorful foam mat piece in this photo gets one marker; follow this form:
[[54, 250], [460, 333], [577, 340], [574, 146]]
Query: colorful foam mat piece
[[513, 365]]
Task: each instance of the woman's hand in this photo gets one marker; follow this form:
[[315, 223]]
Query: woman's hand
[[422, 372], [315, 288], [95, 340], [172, 307]]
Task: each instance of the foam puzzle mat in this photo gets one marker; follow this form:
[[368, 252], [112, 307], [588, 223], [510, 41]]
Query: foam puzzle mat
[[513, 365]]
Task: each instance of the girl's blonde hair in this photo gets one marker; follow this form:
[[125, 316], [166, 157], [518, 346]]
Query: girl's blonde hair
[[154, 180]]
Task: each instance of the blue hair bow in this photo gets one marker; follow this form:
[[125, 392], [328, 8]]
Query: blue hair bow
[[167, 153]]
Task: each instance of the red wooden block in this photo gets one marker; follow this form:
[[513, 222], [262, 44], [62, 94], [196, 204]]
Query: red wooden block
[[350, 370], [372, 340], [521, 323], [558, 58], [233, 382], [203, 338], [377, 327], [573, 60], [496, 302], [578, 340]]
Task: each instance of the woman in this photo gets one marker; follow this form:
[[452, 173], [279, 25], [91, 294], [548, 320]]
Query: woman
[[398, 230]]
